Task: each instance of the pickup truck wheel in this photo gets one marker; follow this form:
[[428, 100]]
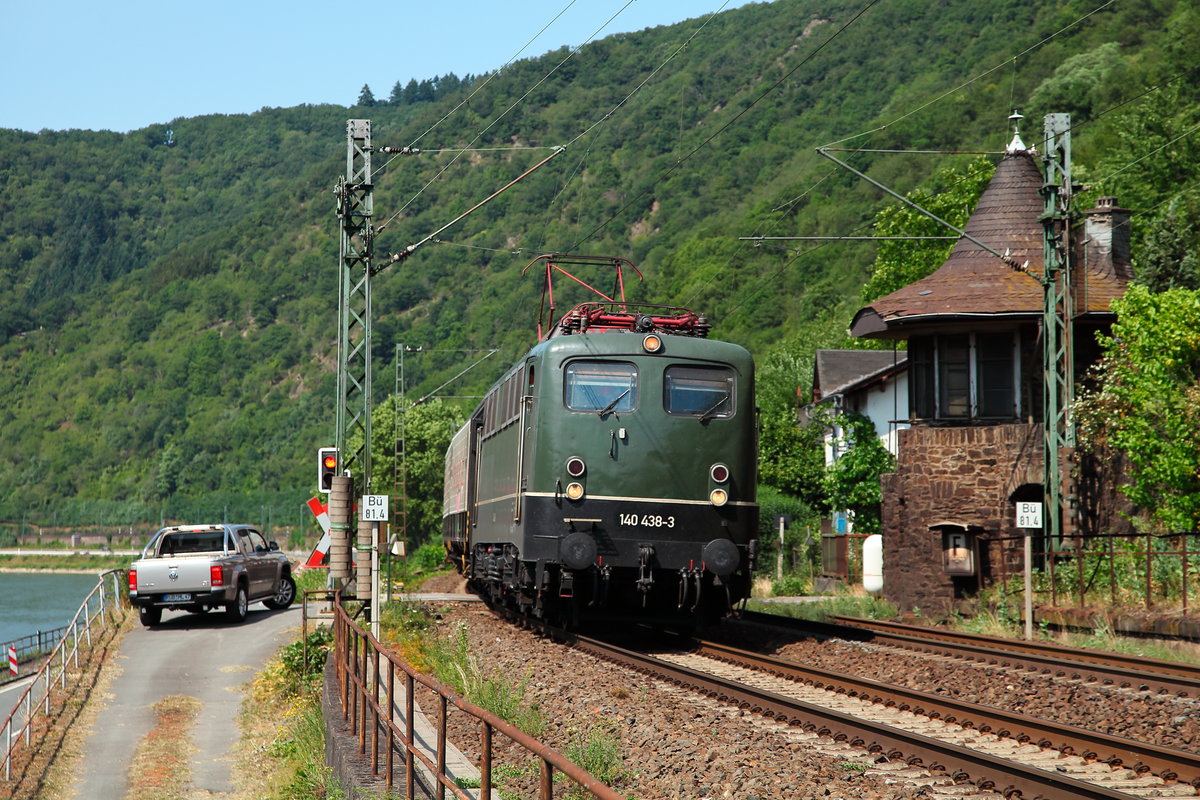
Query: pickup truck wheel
[[284, 596], [235, 611], [149, 615]]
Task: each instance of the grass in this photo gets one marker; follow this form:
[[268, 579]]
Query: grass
[[282, 713], [162, 763], [866, 606], [598, 750], [52, 764], [1102, 637], [451, 661]]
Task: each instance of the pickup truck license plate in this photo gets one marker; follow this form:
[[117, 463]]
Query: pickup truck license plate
[[176, 598]]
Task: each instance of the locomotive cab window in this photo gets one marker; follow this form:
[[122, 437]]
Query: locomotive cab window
[[601, 387], [703, 392]]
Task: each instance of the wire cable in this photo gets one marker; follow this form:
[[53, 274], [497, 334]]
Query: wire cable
[[964, 85], [1137, 161], [687, 156], [503, 114]]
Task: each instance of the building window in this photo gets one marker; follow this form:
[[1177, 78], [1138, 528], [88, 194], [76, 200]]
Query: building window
[[965, 376]]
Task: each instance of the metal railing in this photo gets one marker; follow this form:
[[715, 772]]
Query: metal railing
[[34, 644], [367, 676], [1157, 571], [97, 611]]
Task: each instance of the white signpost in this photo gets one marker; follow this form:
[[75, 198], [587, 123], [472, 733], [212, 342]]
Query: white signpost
[[373, 508], [1029, 517]]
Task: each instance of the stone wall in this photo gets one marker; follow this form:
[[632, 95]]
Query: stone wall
[[964, 478]]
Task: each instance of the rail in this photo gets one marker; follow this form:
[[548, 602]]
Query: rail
[[97, 610], [367, 676]]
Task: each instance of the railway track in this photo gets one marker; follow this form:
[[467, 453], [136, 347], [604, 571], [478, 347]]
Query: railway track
[[1109, 669], [994, 749]]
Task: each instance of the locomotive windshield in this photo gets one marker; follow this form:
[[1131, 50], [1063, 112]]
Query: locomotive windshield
[[601, 387], [703, 392]]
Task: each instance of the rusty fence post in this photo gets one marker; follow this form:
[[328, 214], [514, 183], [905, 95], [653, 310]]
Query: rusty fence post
[[546, 789], [485, 760], [391, 739], [409, 758]]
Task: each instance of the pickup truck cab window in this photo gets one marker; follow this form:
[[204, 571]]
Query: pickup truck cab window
[[255, 543]]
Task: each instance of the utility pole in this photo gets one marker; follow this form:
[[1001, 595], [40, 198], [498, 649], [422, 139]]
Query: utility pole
[[355, 212], [355, 208], [1058, 361]]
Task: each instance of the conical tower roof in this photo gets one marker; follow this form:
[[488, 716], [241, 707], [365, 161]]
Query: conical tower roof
[[972, 282]]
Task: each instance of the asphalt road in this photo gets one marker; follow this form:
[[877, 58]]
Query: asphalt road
[[201, 656]]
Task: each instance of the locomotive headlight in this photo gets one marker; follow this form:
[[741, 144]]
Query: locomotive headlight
[[719, 473], [718, 497], [652, 343], [574, 491], [576, 467]]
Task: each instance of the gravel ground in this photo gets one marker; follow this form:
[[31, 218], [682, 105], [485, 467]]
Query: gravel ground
[[1159, 719], [671, 743], [674, 744]]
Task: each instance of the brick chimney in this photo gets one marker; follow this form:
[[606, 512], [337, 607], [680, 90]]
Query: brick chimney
[[1106, 239]]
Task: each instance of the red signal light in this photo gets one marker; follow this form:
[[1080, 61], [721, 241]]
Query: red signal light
[[327, 468]]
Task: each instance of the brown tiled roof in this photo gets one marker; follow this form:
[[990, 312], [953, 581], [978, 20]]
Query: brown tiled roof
[[838, 370], [974, 283]]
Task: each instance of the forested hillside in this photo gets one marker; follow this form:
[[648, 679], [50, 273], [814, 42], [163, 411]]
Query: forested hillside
[[168, 342]]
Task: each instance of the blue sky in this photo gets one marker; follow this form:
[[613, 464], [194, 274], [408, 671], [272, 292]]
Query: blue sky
[[125, 64]]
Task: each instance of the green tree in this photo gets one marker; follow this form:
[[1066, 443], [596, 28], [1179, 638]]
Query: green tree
[[852, 480], [1169, 257], [1082, 84], [790, 454], [366, 97], [170, 465], [427, 429], [1147, 404], [902, 261]]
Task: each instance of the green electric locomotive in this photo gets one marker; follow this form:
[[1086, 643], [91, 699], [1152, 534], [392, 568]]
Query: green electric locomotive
[[611, 472]]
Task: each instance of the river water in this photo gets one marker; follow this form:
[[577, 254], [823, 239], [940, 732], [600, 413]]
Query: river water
[[33, 601]]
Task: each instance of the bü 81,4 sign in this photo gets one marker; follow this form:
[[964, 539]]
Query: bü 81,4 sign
[[373, 508], [1029, 515]]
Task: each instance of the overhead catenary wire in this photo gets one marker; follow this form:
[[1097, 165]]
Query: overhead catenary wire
[[407, 251], [970, 81], [502, 115], [1012, 60], [1160, 148], [687, 156], [514, 57]]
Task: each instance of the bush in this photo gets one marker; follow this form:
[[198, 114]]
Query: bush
[[297, 676]]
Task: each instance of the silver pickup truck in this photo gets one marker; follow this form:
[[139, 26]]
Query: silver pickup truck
[[200, 567]]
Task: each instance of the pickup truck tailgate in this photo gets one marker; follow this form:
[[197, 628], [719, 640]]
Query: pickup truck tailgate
[[174, 574]]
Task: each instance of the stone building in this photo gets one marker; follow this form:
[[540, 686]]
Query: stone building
[[973, 330]]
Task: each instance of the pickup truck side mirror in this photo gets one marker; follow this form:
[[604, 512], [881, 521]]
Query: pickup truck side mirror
[[273, 545]]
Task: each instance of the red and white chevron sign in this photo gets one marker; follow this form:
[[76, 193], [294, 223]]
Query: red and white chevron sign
[[321, 552]]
